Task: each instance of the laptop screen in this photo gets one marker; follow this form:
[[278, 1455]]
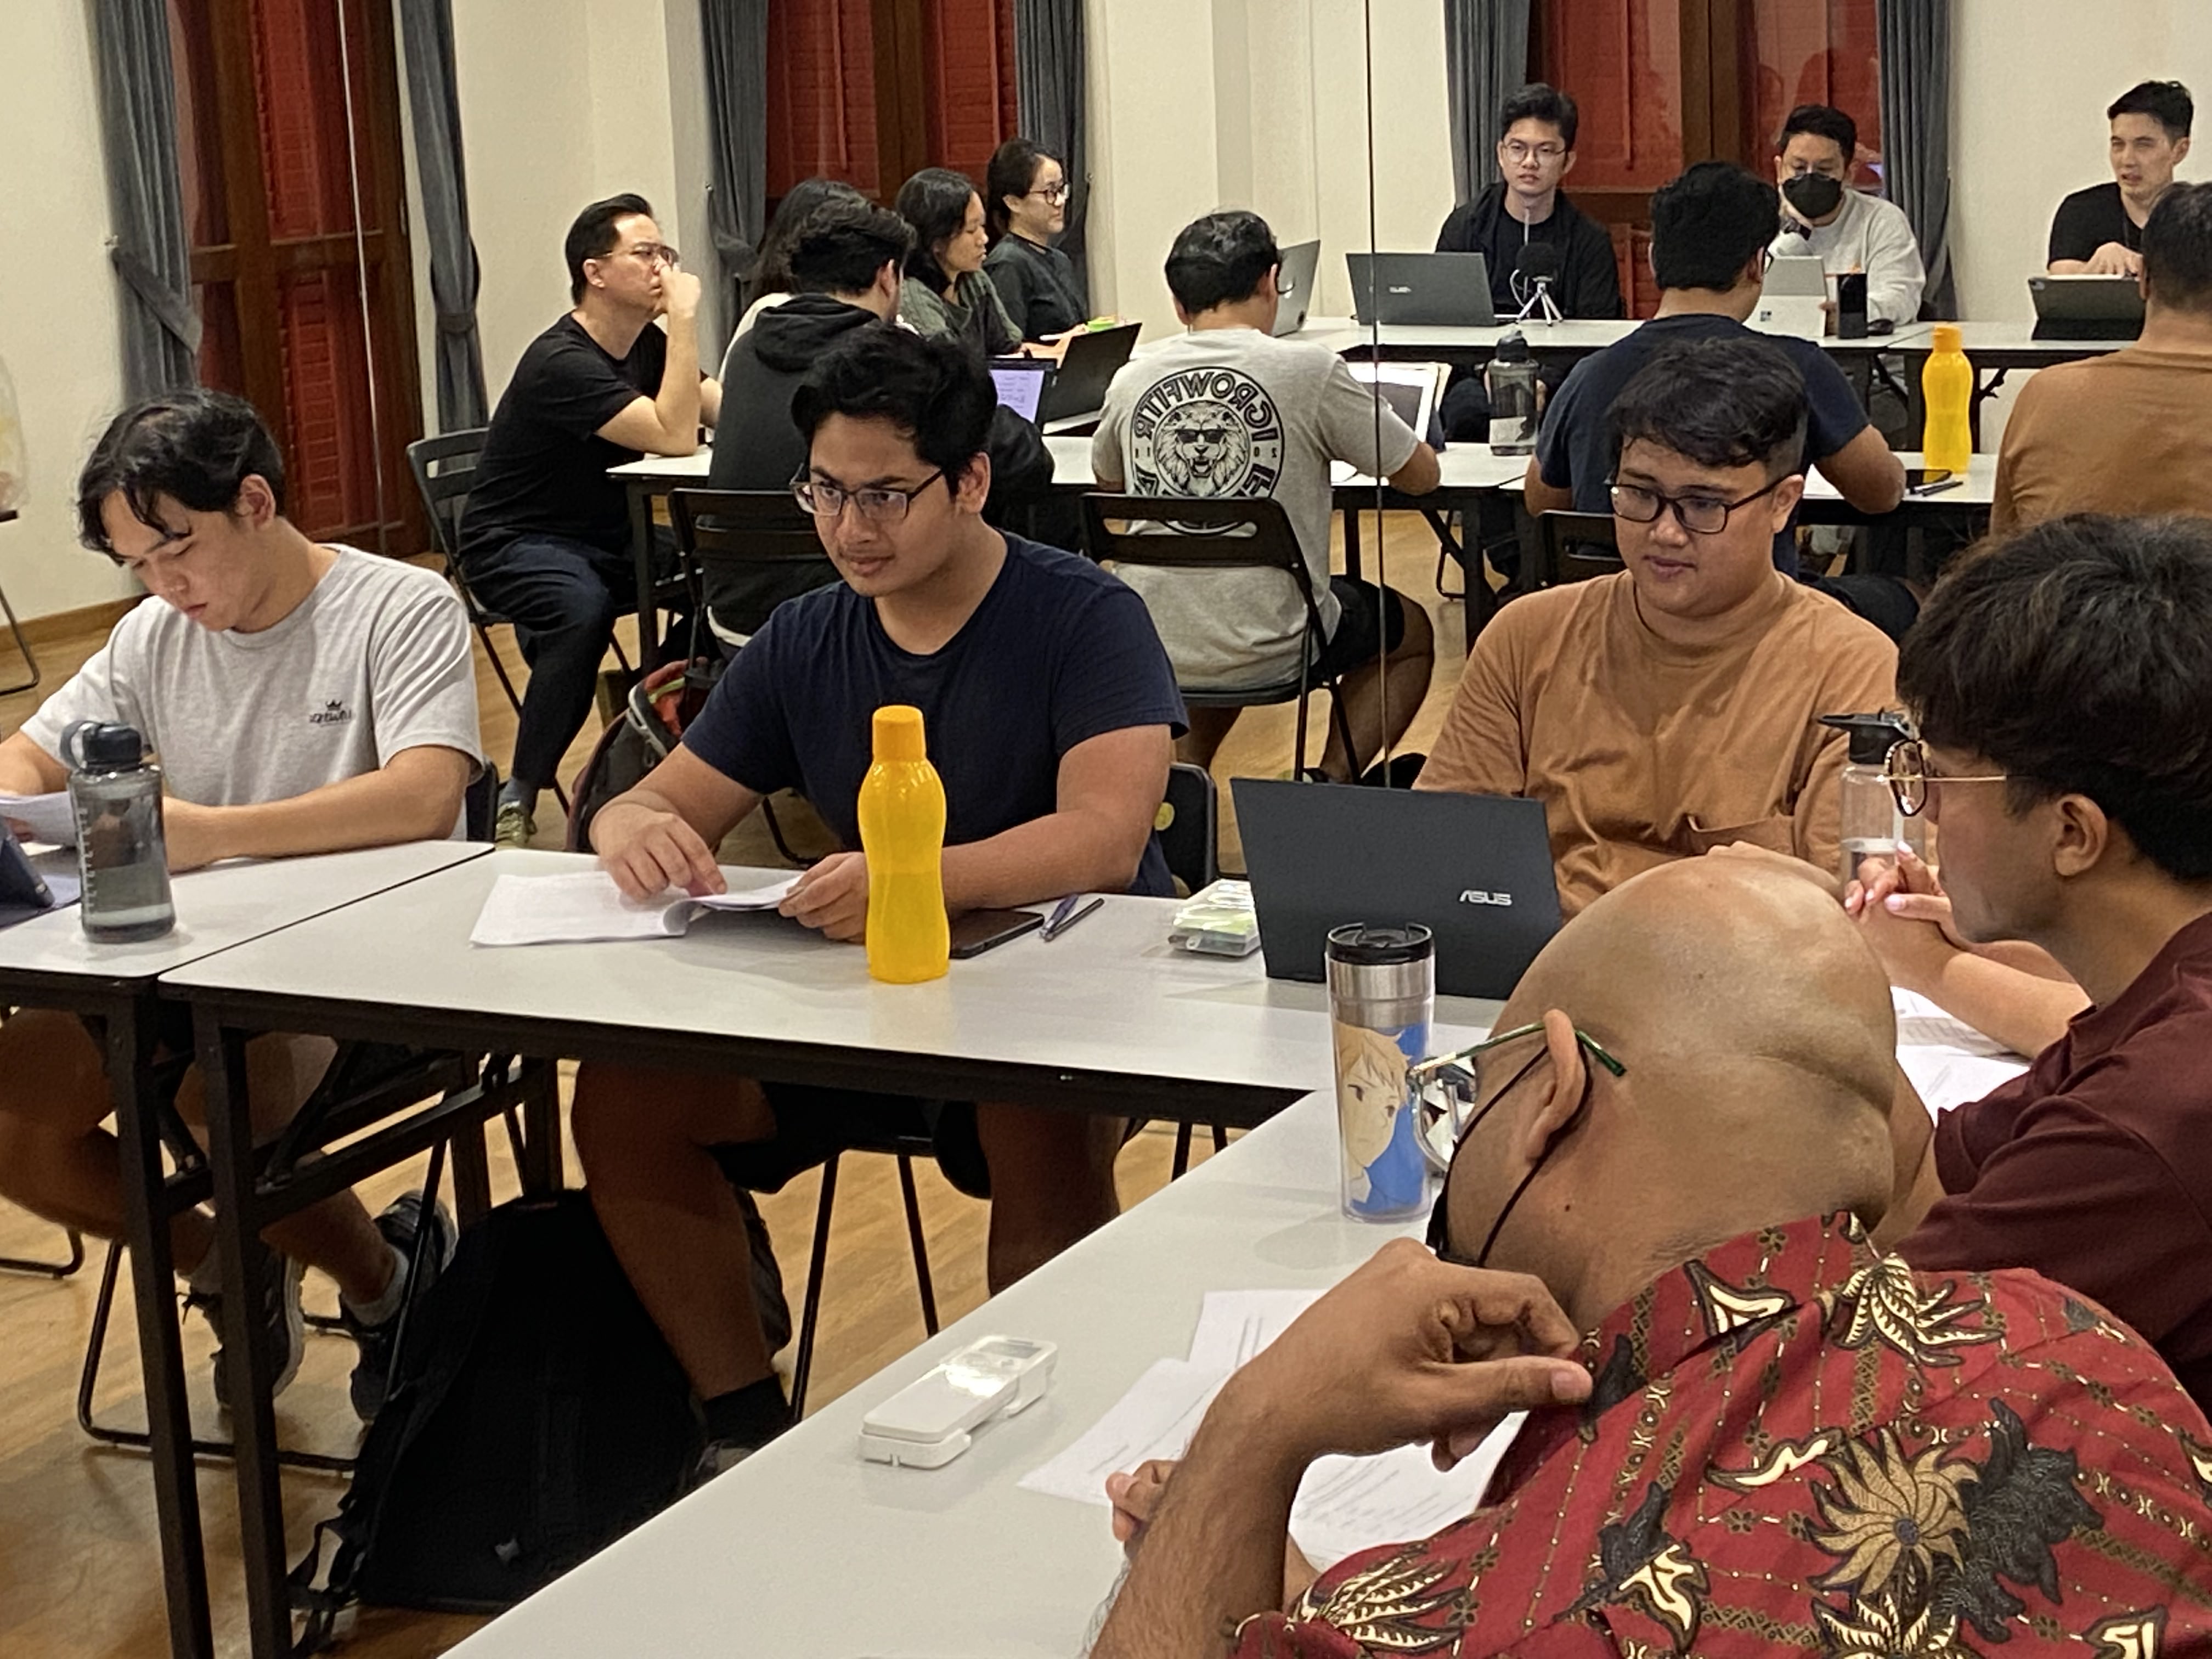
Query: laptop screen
[[1021, 386]]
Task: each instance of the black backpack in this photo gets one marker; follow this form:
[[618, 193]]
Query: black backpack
[[537, 1415]]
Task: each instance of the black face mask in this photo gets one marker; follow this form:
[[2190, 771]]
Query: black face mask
[[1814, 194]]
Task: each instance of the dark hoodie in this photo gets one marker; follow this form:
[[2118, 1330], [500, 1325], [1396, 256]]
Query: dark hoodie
[[757, 445]]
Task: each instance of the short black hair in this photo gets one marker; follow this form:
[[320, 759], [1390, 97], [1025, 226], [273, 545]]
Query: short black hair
[[1220, 259], [1012, 171], [935, 390], [840, 246], [2167, 102], [592, 236], [771, 272], [1537, 102], [1733, 401], [1822, 121], [196, 447], [2177, 247], [1709, 223], [935, 202], [2075, 656]]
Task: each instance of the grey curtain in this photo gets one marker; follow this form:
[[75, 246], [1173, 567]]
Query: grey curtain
[[1914, 38], [435, 103], [1049, 91], [736, 33], [1485, 62], [146, 200]]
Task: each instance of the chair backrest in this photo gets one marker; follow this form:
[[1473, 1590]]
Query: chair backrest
[[444, 468], [1210, 533], [1188, 838], [757, 526], [1573, 547]]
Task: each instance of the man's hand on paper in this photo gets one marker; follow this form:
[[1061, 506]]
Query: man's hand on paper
[[1136, 1495], [647, 851], [832, 898], [1407, 1349]]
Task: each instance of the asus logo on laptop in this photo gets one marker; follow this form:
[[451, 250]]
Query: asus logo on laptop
[[1397, 287], [1476, 895]]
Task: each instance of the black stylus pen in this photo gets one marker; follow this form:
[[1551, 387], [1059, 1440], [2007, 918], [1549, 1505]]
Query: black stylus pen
[[1049, 933]]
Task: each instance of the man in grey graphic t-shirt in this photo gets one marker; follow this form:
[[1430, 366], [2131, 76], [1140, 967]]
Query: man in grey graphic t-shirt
[[301, 699], [1228, 411]]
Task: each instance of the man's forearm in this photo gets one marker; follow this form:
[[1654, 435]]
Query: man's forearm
[[2024, 1011], [1063, 852], [1214, 1555], [376, 809], [677, 403]]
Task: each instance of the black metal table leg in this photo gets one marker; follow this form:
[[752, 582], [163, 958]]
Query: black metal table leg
[[160, 1343], [249, 1369], [641, 548]]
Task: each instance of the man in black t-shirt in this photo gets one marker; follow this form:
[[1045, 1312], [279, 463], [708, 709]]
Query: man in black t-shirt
[[544, 541], [2099, 230], [1535, 151], [1050, 711], [1710, 231]]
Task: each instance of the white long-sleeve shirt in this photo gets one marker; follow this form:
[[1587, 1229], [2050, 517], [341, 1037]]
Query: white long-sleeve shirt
[[1870, 235]]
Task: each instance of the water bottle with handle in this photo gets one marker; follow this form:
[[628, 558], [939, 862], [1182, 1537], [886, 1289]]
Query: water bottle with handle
[[903, 833], [1946, 385], [115, 795]]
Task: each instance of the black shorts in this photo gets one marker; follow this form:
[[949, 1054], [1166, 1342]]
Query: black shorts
[[813, 1124], [1371, 624]]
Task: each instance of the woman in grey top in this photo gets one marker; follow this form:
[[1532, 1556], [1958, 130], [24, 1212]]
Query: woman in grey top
[[945, 291], [1028, 208]]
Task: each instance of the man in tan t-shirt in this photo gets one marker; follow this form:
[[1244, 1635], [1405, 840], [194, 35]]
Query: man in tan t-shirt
[[1674, 707], [2130, 433]]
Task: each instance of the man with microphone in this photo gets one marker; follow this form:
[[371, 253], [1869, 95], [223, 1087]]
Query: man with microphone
[[1527, 229]]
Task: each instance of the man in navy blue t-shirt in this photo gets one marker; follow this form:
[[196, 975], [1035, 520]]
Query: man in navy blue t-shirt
[[1051, 712], [1710, 230]]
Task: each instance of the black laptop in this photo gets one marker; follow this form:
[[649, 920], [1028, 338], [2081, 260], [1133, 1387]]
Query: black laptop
[[1078, 386], [1438, 291], [1476, 870]]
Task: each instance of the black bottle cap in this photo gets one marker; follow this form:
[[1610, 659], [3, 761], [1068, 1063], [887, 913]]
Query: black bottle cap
[[1872, 735], [1512, 348], [103, 744]]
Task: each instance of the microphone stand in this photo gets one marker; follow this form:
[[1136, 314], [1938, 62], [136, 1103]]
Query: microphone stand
[[1540, 305]]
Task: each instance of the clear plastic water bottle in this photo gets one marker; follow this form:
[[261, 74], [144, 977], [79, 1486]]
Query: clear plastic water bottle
[[1872, 826], [1511, 378], [115, 794]]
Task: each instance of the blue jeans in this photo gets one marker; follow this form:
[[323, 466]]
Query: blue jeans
[[562, 598]]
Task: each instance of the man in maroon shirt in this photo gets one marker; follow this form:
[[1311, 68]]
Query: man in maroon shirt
[[2062, 685], [1769, 1438]]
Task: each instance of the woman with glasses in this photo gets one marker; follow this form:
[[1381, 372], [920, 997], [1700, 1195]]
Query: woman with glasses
[[946, 292], [1025, 207]]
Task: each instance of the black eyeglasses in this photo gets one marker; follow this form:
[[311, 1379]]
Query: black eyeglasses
[[1050, 192], [1906, 773], [875, 504], [1701, 515]]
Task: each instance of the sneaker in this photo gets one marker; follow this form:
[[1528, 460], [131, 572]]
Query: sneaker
[[401, 1221], [280, 1306], [513, 827]]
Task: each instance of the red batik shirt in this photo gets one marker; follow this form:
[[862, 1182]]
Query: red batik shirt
[[1797, 1445]]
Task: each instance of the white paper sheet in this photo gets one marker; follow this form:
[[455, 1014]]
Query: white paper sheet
[[1946, 1061], [1156, 1418], [1234, 1325], [587, 905], [48, 818]]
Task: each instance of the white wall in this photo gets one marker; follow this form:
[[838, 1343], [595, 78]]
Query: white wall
[[57, 309]]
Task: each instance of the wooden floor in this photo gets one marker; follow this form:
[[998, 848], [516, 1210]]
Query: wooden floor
[[79, 1553]]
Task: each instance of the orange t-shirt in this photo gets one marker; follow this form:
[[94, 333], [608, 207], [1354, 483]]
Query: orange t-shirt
[[1643, 751], [2130, 433]]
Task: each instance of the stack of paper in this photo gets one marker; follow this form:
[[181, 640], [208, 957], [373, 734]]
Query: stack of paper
[[1344, 1503], [573, 908], [42, 817], [1946, 1061]]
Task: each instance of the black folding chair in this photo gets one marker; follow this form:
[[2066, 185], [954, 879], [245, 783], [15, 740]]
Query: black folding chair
[[1573, 547], [62, 1269], [744, 552], [1223, 534]]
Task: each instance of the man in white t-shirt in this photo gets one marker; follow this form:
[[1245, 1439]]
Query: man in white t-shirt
[[301, 699], [1229, 411], [1845, 230]]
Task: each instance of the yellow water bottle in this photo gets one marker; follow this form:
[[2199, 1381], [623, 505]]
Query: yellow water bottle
[[903, 833], [1947, 385]]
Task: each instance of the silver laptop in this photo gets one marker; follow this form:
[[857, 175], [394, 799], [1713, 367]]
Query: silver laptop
[[1301, 264], [1476, 870], [1790, 300], [1438, 291]]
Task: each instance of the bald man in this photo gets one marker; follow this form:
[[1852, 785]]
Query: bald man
[[1764, 1431]]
